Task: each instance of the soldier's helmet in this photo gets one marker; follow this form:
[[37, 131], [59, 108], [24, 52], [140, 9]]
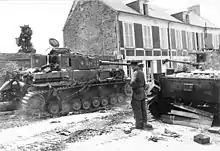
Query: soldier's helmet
[[140, 64], [134, 62]]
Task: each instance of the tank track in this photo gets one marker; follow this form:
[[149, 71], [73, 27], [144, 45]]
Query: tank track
[[34, 103]]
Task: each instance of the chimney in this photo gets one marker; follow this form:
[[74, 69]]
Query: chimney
[[195, 9], [143, 4]]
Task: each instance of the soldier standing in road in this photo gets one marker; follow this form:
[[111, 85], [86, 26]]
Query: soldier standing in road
[[138, 97]]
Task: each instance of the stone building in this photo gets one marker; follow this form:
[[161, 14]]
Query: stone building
[[137, 31]]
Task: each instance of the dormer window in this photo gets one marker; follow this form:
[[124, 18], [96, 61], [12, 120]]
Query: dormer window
[[145, 9]]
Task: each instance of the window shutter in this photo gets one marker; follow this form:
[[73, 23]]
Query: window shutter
[[184, 39], [156, 37], [121, 34], [193, 41], [138, 35], [173, 39]]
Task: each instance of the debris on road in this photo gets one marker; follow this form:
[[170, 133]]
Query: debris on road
[[214, 130], [168, 133], [6, 113], [64, 132], [201, 139], [188, 116], [85, 134], [156, 138], [52, 122]]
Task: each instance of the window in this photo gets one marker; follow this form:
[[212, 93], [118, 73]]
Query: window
[[189, 41], [145, 9], [147, 37], [178, 39], [163, 38], [129, 35], [215, 41], [199, 41]]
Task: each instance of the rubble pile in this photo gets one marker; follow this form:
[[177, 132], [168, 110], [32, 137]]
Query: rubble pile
[[213, 60], [188, 116], [198, 74]]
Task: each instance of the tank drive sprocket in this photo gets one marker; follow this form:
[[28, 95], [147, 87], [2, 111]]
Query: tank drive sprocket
[[33, 103]]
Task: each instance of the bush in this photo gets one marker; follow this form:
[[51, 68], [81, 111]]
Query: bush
[[9, 68]]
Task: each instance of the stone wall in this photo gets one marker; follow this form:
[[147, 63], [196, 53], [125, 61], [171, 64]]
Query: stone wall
[[22, 60], [91, 28]]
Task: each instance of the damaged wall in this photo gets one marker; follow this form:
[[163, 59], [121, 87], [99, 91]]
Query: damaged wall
[[213, 61], [91, 28]]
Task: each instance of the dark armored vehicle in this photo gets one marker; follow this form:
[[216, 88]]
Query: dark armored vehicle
[[198, 88], [73, 82]]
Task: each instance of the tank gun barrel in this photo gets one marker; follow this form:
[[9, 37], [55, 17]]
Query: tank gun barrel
[[184, 62], [113, 63]]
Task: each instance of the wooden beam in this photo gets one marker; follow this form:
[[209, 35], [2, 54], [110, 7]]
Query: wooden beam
[[195, 123], [189, 115], [193, 110]]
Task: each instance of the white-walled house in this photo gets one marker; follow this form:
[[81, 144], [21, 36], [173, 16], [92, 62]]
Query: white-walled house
[[137, 31]]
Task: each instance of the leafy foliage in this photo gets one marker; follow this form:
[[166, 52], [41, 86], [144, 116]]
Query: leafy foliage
[[24, 40], [9, 68]]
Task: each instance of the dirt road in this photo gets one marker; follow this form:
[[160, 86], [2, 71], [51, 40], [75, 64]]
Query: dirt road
[[105, 130]]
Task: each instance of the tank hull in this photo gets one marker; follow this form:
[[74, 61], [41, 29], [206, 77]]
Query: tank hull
[[198, 92]]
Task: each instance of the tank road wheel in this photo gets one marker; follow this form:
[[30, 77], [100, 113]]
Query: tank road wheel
[[76, 104], [128, 90], [121, 98], [86, 104], [95, 102], [66, 107], [54, 107], [113, 100], [104, 102]]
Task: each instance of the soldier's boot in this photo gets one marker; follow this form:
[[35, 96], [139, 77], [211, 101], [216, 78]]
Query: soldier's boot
[[148, 126]]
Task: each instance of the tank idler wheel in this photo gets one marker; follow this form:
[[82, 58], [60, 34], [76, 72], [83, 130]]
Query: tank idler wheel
[[121, 98], [113, 100], [104, 102], [77, 104], [66, 107], [54, 108], [86, 104], [95, 102]]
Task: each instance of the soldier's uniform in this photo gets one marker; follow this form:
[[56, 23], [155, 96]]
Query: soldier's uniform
[[138, 97]]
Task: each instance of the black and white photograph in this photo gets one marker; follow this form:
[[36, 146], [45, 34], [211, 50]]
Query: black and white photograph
[[109, 75]]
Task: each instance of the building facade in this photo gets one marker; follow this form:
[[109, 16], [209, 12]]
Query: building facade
[[138, 31]]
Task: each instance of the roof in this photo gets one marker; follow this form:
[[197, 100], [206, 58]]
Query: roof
[[154, 11], [120, 6], [200, 21]]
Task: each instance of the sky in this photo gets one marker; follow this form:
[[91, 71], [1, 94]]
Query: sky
[[47, 18]]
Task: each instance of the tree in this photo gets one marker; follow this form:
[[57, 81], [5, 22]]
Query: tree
[[24, 40]]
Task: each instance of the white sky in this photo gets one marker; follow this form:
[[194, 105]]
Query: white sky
[[47, 18]]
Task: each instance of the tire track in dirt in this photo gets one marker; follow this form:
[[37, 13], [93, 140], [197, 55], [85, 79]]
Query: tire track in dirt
[[74, 132]]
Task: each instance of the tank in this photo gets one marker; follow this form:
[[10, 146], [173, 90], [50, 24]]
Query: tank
[[197, 88], [75, 82]]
